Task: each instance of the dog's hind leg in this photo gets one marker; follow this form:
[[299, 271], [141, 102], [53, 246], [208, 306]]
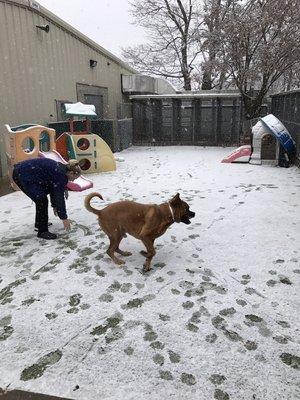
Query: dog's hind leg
[[114, 246], [144, 253], [123, 253], [148, 242]]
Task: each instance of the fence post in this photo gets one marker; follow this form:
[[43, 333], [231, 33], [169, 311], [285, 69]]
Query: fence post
[[135, 122], [197, 119], [115, 136], [157, 120], [219, 120], [234, 127], [213, 120], [176, 119]]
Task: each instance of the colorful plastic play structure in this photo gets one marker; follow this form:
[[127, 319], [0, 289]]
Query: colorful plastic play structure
[[31, 141], [92, 152], [271, 144], [28, 141]]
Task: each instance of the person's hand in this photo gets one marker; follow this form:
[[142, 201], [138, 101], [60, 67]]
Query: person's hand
[[55, 211], [67, 224]]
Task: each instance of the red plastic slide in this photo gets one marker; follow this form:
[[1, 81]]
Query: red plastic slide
[[241, 154], [79, 184]]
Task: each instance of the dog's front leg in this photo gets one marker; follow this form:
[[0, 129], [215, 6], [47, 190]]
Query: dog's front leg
[[148, 242]]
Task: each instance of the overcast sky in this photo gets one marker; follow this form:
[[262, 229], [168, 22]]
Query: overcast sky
[[107, 22]]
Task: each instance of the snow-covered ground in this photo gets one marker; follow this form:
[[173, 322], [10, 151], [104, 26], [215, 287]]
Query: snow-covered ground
[[217, 317]]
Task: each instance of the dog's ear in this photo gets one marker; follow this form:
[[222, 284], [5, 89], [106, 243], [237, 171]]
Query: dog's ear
[[176, 199]]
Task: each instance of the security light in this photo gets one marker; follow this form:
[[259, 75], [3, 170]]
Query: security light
[[45, 28], [93, 63]]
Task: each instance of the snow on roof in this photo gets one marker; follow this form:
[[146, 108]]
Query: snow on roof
[[188, 95], [81, 109]]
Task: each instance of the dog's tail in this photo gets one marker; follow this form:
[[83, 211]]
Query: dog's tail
[[87, 202]]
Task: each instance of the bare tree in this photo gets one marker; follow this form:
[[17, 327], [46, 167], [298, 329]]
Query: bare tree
[[210, 47], [173, 30], [289, 80], [213, 74], [260, 43]]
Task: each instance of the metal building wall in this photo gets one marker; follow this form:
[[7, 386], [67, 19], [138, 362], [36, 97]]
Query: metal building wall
[[37, 68]]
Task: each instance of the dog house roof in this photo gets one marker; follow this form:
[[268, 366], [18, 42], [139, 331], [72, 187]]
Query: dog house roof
[[277, 129]]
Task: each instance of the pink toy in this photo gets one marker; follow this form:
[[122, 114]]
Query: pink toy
[[241, 154], [79, 184]]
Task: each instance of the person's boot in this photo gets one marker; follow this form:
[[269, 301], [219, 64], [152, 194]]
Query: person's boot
[[36, 227], [47, 235]]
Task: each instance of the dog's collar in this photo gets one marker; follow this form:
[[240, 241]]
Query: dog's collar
[[172, 212]]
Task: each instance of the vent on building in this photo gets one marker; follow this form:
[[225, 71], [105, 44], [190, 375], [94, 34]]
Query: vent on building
[[142, 84], [138, 84]]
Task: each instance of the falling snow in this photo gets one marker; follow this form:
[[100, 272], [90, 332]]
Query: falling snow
[[216, 317]]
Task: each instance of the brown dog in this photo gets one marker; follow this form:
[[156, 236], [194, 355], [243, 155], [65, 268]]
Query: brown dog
[[145, 222]]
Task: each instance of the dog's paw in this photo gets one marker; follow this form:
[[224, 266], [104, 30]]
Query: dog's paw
[[146, 267], [118, 261]]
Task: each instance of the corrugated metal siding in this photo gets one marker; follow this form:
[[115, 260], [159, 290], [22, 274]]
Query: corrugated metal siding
[[37, 68]]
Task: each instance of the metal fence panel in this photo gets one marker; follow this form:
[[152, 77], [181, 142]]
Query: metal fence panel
[[209, 121], [286, 107], [124, 133], [116, 133], [167, 120]]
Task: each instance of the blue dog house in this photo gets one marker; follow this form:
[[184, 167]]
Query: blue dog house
[[276, 128]]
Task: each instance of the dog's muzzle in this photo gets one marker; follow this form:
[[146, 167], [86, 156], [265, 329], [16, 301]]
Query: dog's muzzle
[[186, 218]]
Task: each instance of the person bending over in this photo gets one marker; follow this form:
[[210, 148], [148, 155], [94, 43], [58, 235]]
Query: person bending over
[[40, 177]]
